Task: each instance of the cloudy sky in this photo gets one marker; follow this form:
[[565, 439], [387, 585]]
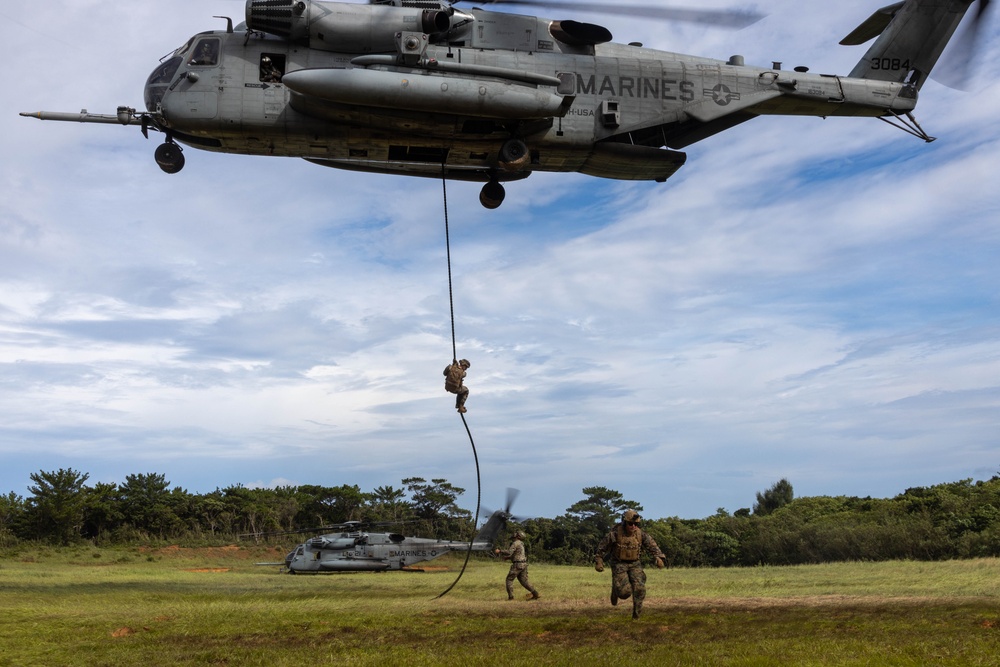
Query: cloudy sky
[[811, 299]]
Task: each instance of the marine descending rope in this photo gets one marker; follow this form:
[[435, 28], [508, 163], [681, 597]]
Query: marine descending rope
[[454, 355]]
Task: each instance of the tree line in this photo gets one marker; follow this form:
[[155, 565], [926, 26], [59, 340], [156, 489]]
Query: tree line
[[63, 509], [951, 520]]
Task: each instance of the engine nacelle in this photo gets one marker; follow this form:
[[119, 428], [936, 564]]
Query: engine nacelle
[[332, 544], [341, 27]]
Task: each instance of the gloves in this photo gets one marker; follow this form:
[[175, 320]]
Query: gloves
[[599, 564], [659, 562]]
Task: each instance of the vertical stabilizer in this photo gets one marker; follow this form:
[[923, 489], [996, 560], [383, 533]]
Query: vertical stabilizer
[[913, 35]]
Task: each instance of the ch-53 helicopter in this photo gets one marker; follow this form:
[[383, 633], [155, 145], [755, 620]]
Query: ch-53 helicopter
[[422, 88], [353, 549]]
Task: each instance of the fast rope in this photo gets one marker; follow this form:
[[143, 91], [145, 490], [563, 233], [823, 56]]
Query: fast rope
[[454, 356]]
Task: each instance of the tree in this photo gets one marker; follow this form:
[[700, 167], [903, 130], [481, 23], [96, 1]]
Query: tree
[[600, 510], [779, 495], [211, 509], [559, 540], [285, 506], [102, 513], [11, 515], [55, 510], [325, 505], [182, 512], [434, 500], [249, 510], [388, 504], [147, 506], [436, 503]]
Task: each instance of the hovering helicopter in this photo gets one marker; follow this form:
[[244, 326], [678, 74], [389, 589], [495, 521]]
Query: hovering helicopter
[[422, 88], [353, 549]]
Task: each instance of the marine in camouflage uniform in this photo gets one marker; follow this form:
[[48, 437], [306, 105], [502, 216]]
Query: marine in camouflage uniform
[[454, 374], [518, 566], [622, 547]]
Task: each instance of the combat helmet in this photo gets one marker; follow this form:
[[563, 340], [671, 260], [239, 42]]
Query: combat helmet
[[631, 516]]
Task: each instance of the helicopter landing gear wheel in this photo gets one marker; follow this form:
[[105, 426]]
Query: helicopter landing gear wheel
[[169, 157], [514, 155], [492, 194]]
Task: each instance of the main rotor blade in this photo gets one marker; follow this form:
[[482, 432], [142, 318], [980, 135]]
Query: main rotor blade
[[721, 18], [511, 497]]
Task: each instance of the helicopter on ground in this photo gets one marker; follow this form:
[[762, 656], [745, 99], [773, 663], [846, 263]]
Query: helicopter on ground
[[422, 88], [353, 549]]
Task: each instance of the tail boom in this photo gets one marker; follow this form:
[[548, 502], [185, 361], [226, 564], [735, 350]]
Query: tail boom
[[913, 35]]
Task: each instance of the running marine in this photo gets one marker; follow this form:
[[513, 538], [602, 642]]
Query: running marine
[[622, 548]]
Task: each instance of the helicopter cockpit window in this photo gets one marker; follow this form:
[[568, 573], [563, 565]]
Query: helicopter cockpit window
[[187, 45], [272, 67], [158, 82], [164, 73], [206, 53]]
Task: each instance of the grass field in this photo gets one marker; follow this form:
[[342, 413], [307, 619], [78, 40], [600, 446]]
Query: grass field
[[214, 607]]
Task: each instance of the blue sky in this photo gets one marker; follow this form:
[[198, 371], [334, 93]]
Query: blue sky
[[808, 299]]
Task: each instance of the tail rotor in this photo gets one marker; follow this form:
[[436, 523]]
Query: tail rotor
[[958, 64]]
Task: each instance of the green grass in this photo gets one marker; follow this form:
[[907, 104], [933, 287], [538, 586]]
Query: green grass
[[213, 607]]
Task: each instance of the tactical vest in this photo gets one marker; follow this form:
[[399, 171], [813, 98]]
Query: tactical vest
[[627, 547], [453, 378]]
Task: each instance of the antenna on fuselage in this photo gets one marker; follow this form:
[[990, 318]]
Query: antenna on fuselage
[[229, 23]]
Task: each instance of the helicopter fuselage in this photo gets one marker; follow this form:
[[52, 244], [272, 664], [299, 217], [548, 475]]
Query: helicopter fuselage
[[576, 103], [355, 550], [420, 88], [369, 552]]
